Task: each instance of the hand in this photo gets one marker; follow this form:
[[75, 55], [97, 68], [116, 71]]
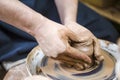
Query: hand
[[54, 38], [88, 43]]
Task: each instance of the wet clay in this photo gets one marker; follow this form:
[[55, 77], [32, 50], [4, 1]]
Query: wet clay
[[109, 69], [103, 71], [86, 48]]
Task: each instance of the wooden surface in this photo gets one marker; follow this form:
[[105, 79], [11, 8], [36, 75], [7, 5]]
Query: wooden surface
[[112, 12]]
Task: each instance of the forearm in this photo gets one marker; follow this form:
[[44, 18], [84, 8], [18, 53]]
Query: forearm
[[17, 14], [67, 10]]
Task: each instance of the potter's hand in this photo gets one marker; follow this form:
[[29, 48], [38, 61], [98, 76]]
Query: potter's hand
[[54, 39], [88, 42]]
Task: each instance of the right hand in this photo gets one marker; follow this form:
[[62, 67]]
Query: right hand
[[54, 38]]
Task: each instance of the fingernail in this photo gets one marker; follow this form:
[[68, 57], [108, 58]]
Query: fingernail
[[88, 60], [100, 58], [86, 65], [79, 67]]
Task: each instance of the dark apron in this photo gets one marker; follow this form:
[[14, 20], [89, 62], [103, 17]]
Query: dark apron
[[16, 44]]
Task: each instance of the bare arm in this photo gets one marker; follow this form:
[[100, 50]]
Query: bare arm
[[67, 10], [19, 15]]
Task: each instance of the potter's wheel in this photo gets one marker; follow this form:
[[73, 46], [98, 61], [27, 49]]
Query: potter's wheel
[[109, 69]]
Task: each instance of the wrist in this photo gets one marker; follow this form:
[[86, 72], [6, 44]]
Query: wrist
[[69, 21], [32, 23]]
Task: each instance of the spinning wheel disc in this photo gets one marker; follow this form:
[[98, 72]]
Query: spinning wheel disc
[[109, 69], [54, 70]]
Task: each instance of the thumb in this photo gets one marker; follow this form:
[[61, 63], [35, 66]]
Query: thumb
[[97, 50]]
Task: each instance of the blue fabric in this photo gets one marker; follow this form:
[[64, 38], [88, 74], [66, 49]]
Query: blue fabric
[[16, 44], [100, 27]]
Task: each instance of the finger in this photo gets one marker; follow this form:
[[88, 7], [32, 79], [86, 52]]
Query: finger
[[75, 53], [79, 67], [62, 57], [69, 62], [64, 64], [97, 50]]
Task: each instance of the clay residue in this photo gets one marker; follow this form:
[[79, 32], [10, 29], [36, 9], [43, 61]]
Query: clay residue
[[87, 48]]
